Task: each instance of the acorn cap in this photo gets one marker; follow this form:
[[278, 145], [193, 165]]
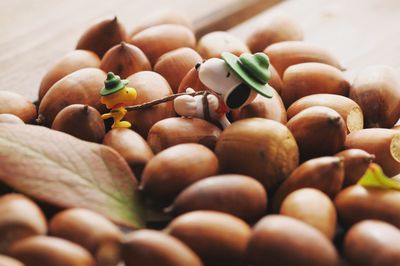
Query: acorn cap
[[112, 84], [252, 69]]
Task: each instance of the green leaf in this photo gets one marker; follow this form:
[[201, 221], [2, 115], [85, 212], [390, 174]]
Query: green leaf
[[62, 170], [374, 177]]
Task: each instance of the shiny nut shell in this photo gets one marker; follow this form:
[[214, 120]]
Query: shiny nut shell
[[13, 103], [8, 261], [10, 118]]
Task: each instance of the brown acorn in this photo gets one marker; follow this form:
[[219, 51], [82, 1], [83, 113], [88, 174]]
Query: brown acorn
[[100, 37], [69, 63], [173, 169], [357, 203], [275, 28], [80, 87], [312, 78], [15, 104], [263, 107], [282, 240], [191, 80], [47, 250], [377, 90], [10, 118], [324, 173], [319, 131], [356, 162], [20, 218], [217, 238], [81, 121], [284, 54], [260, 148], [8, 261], [131, 146], [174, 65], [347, 108], [381, 142], [149, 86], [154, 248], [275, 81], [214, 43], [124, 59], [239, 195], [157, 40], [176, 130]]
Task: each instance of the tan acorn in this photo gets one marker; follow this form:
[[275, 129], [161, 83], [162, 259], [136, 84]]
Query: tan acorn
[[69, 63], [124, 59], [18, 105], [101, 36], [275, 81], [191, 80], [10, 118], [8, 261]]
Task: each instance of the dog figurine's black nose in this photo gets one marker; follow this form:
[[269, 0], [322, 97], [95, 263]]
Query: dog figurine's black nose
[[197, 66]]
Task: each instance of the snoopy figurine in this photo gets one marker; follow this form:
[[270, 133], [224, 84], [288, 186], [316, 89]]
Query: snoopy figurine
[[233, 81]]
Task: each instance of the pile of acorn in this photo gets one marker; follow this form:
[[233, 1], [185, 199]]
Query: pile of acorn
[[277, 187]]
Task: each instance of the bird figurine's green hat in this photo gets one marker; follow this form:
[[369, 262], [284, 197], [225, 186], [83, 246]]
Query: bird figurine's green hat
[[112, 84]]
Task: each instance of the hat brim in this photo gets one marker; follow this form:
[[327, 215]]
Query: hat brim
[[104, 91], [233, 62]]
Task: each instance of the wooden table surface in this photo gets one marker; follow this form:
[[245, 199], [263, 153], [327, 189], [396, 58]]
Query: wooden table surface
[[35, 34]]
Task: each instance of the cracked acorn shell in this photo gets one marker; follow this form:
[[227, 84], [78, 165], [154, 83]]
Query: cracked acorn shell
[[18, 105], [101, 36], [175, 64], [347, 108], [81, 121], [284, 54], [319, 131], [312, 78], [238, 195], [177, 130], [377, 90], [154, 248], [260, 148], [69, 63], [124, 59], [217, 238], [157, 40], [381, 142]]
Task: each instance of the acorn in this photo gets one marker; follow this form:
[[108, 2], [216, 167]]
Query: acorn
[[217, 238], [69, 63], [124, 59], [18, 105], [131, 146], [348, 109], [81, 121], [89, 230], [284, 54], [372, 242], [275, 28], [191, 80], [8, 261], [319, 131], [263, 107], [238, 195], [47, 250], [313, 207], [149, 86], [173, 169], [21, 218], [324, 173], [275, 81], [157, 40], [214, 43], [176, 130], [174, 65], [381, 142], [103, 35], [312, 78], [270, 152], [357, 203], [356, 162], [80, 87], [10, 118], [282, 240], [153, 248], [169, 16], [377, 90]]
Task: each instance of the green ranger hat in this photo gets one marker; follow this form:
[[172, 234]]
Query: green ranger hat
[[253, 69], [112, 84]]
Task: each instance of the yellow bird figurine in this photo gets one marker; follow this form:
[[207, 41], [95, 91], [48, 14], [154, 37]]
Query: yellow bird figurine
[[116, 95]]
